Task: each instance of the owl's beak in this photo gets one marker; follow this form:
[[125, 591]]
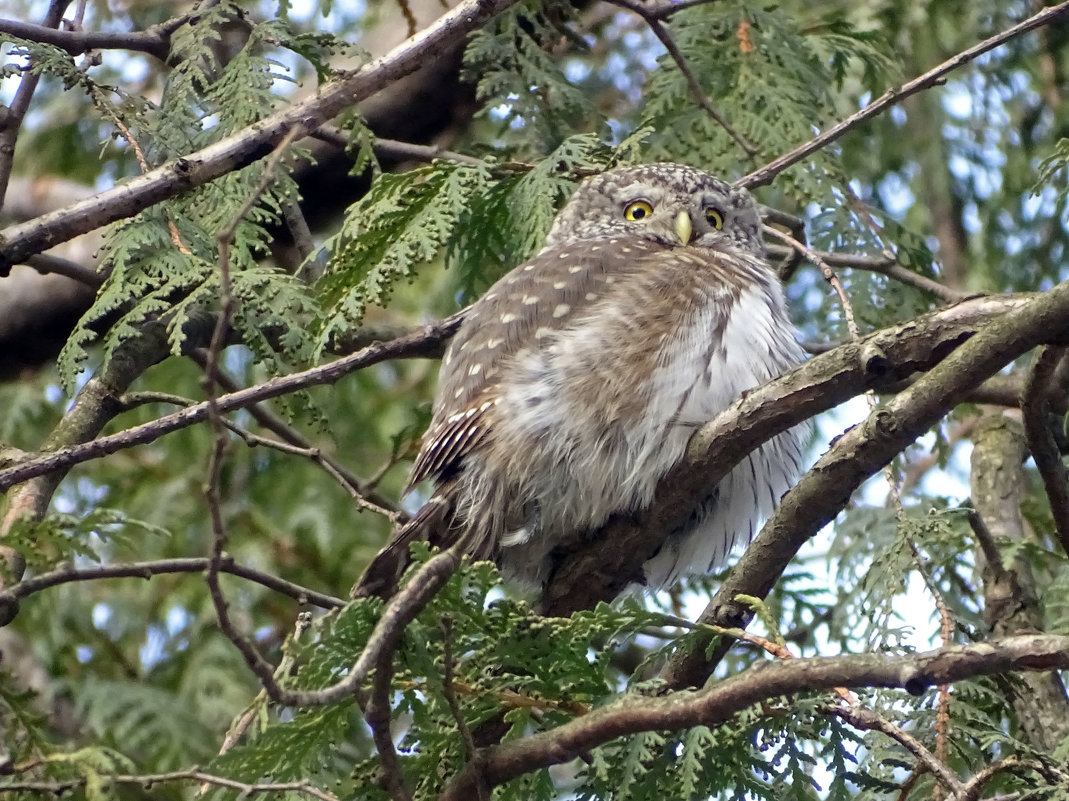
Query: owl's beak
[[684, 227]]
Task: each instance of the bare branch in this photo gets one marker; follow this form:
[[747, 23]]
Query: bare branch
[[159, 567], [155, 41], [240, 149], [854, 456], [889, 98], [46, 263], [11, 119], [714, 705], [421, 342], [592, 572], [1035, 405], [147, 780]]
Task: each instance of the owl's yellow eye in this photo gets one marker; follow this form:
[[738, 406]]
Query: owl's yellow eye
[[638, 210], [714, 218]]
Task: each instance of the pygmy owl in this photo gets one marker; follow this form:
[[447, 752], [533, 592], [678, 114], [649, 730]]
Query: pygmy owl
[[575, 382]]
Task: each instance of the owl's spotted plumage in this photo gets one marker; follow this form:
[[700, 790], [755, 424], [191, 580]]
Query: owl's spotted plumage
[[575, 382]]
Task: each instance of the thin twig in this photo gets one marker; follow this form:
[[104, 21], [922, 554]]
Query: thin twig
[[422, 342], [765, 174], [394, 148], [212, 493], [866, 719], [1035, 406], [361, 490], [884, 265], [696, 89], [147, 780], [826, 271], [285, 665], [11, 119], [156, 567], [46, 263], [450, 691], [354, 486], [377, 714]]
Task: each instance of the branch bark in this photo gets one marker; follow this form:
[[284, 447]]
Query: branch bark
[[182, 174], [862, 450], [889, 98], [593, 573], [1011, 603], [715, 705]]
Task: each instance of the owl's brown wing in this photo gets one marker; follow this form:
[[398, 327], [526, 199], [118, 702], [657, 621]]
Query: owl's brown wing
[[529, 304]]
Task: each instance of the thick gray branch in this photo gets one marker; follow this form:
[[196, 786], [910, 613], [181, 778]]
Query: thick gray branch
[[594, 573], [862, 450], [713, 706], [20, 241]]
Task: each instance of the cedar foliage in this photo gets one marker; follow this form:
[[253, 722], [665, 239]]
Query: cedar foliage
[[563, 91]]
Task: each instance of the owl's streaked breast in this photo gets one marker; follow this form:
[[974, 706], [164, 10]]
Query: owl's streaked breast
[[576, 381]]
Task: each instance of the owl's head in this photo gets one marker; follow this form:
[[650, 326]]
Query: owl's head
[[671, 204]]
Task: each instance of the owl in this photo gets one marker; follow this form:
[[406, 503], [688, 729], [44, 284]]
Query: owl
[[573, 385]]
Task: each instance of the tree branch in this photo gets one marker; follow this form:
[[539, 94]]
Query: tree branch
[[256, 141], [155, 41], [715, 705], [858, 453], [889, 98], [592, 573], [1035, 405], [147, 780], [158, 567], [424, 340], [12, 116]]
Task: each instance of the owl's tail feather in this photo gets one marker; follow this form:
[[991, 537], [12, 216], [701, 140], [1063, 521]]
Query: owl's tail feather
[[430, 523]]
